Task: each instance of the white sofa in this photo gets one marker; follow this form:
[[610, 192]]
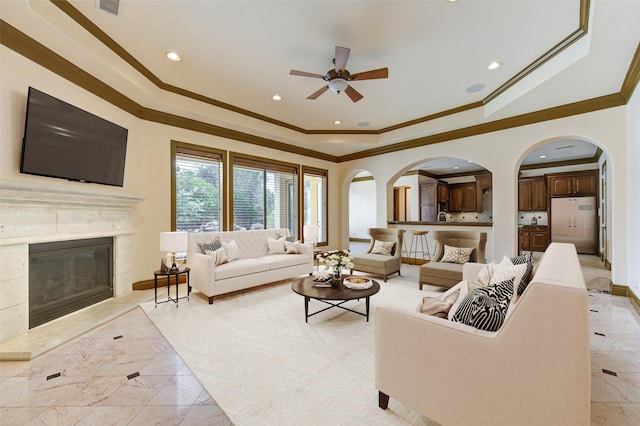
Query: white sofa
[[535, 370], [255, 266]]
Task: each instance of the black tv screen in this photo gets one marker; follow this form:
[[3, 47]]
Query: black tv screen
[[63, 141]]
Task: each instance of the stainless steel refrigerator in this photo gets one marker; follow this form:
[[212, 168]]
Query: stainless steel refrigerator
[[573, 220]]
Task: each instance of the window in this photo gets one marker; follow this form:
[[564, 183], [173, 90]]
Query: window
[[197, 177], [265, 194], [315, 201]]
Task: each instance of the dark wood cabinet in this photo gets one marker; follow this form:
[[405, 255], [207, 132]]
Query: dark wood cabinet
[[463, 197], [428, 206], [443, 193], [573, 184], [532, 194], [533, 238]]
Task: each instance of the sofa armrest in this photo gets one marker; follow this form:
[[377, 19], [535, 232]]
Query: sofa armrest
[[202, 274], [470, 270]]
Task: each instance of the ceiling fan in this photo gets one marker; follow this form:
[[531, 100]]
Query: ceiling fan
[[338, 79]]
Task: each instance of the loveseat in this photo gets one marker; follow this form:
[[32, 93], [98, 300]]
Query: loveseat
[[448, 274], [535, 370], [258, 263]]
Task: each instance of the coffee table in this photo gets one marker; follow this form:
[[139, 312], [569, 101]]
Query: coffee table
[[330, 295]]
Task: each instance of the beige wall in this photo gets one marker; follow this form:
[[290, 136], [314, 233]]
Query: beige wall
[[148, 170], [501, 153]]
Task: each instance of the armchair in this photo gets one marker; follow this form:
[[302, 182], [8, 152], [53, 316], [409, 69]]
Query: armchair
[[381, 264], [449, 274]]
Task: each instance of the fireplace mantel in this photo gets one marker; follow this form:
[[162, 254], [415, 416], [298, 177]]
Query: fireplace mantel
[[32, 213]]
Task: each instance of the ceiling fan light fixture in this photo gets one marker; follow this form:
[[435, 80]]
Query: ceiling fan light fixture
[[338, 85]]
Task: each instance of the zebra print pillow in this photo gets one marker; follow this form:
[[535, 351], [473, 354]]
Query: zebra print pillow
[[525, 257], [485, 308]]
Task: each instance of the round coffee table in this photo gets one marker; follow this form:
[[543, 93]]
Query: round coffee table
[[306, 287]]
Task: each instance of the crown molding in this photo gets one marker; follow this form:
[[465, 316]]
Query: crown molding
[[111, 44]]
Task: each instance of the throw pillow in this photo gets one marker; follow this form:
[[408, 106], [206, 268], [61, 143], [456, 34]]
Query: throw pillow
[[524, 258], [219, 256], [212, 246], [485, 308], [291, 239], [456, 254], [232, 250], [506, 270], [440, 305], [484, 276], [293, 247], [276, 246], [382, 247]]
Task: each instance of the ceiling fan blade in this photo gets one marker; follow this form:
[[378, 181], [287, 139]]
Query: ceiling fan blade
[[305, 74], [371, 75], [318, 92], [353, 93], [340, 60]]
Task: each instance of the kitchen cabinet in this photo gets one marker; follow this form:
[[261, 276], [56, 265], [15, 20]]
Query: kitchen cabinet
[[533, 238], [443, 192], [428, 205], [463, 197], [573, 184], [532, 194]]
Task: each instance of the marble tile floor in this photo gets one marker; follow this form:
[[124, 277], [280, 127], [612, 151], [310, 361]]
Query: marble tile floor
[[93, 379], [121, 373]]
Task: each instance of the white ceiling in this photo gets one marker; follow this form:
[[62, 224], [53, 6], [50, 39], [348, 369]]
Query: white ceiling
[[240, 53]]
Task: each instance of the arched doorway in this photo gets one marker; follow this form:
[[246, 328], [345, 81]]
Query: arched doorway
[[562, 196]]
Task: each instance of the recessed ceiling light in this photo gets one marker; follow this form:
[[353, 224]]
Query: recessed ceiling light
[[337, 122], [542, 156], [174, 56], [475, 88], [276, 97], [363, 123], [493, 65], [455, 167]]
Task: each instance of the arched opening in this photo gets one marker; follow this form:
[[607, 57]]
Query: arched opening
[[443, 190], [563, 196]]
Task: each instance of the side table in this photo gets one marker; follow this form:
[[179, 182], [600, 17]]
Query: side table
[[170, 274]]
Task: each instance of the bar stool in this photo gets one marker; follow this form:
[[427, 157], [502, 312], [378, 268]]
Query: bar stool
[[419, 237], [405, 247]]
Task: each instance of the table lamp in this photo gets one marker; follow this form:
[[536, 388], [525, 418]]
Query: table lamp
[[171, 243], [311, 234]]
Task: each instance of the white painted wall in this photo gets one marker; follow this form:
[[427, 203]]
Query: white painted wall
[[148, 166], [411, 181], [362, 208], [513, 145], [633, 179], [147, 172]]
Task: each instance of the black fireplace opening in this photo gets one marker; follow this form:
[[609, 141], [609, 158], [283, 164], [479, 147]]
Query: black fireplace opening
[[66, 276]]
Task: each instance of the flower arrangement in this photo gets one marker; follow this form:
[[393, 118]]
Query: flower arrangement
[[336, 258]]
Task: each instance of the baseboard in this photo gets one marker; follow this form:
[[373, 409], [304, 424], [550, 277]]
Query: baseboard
[[162, 282], [625, 291]]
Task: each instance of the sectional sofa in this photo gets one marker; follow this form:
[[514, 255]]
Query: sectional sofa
[[535, 370]]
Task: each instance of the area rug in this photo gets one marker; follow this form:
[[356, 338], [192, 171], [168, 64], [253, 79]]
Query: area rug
[[264, 365]]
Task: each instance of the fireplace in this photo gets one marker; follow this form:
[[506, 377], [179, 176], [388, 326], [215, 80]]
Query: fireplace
[[32, 214], [66, 276]]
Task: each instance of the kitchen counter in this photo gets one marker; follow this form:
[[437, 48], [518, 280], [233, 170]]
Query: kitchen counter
[[448, 223]]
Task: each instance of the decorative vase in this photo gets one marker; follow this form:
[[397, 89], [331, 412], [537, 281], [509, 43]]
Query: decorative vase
[[337, 273]]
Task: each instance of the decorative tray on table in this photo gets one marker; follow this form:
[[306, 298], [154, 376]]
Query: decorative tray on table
[[357, 283]]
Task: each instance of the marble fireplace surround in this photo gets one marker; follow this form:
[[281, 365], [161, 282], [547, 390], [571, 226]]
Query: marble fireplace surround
[[31, 214]]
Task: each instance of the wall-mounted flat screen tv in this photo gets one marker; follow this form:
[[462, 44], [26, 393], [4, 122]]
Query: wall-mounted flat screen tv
[[64, 141]]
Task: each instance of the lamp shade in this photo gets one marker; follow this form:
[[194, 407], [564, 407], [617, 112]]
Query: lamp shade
[[311, 232], [338, 84], [173, 241]]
